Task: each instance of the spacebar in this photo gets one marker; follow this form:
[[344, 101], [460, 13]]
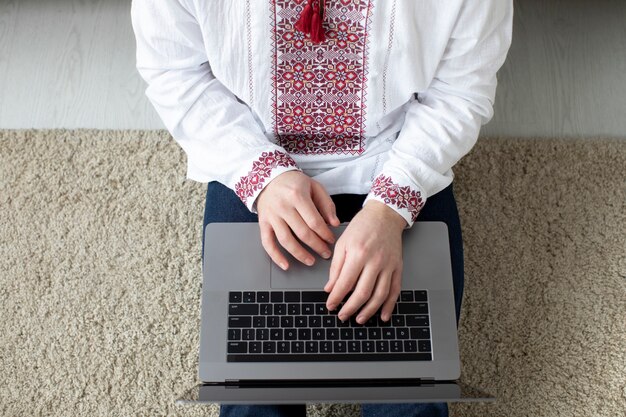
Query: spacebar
[[330, 357]]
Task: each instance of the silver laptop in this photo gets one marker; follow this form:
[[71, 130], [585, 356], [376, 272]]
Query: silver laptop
[[267, 337]]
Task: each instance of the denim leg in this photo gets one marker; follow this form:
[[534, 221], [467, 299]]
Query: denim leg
[[284, 410], [439, 207]]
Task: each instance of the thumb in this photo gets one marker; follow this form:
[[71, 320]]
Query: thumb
[[324, 203]]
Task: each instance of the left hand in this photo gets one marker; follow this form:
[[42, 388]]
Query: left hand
[[368, 258]]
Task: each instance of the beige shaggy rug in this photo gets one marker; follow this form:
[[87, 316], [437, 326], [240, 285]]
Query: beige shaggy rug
[[100, 276]]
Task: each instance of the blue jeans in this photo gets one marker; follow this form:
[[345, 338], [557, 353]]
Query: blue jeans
[[223, 205]]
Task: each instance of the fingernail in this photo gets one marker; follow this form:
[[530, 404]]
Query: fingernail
[[326, 255], [283, 266], [331, 307], [360, 319], [309, 261]]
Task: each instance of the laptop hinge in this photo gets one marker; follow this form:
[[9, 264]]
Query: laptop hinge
[[328, 382]]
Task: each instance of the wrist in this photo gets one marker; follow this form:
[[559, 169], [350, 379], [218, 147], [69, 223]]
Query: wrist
[[390, 215]]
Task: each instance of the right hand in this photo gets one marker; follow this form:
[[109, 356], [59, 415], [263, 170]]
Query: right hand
[[295, 202]]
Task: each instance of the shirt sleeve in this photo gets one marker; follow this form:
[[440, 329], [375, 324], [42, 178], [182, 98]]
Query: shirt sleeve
[[442, 125], [219, 134]]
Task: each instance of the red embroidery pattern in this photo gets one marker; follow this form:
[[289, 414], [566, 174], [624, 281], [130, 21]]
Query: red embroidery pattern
[[319, 89], [401, 197], [261, 169]]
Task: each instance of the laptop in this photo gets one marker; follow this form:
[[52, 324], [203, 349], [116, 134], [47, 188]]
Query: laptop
[[266, 336]]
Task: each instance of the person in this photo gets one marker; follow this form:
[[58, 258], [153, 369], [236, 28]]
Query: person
[[301, 114]]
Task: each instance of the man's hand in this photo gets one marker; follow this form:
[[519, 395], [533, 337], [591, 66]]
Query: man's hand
[[294, 202], [368, 259]]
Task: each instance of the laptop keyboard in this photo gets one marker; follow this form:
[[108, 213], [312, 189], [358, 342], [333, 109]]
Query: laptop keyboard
[[295, 326]]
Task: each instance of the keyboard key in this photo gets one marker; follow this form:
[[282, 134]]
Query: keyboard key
[[320, 309], [402, 333], [297, 347], [255, 347], [248, 297], [371, 322], [248, 334], [266, 310], [243, 309], [382, 346], [280, 309], [339, 346], [276, 334], [389, 333], [314, 296], [237, 347], [234, 334], [421, 295], [263, 297], [354, 346], [419, 321], [395, 346], [420, 333], [262, 334], [397, 321], [406, 296], [301, 321], [308, 309], [273, 321], [410, 346], [368, 346], [413, 308], [269, 347], [276, 296], [311, 347], [423, 345], [319, 334], [304, 334], [360, 334], [234, 296], [315, 321], [332, 334], [326, 347], [292, 297], [286, 321], [373, 333], [239, 322], [283, 347], [291, 334], [382, 323], [258, 321], [347, 334], [293, 309], [328, 321]]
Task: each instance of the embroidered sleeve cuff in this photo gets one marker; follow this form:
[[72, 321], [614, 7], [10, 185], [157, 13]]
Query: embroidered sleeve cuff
[[405, 200], [264, 169]]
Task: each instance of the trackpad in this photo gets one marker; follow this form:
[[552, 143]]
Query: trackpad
[[300, 275]]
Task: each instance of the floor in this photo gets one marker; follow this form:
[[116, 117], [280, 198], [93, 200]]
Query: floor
[[70, 64]]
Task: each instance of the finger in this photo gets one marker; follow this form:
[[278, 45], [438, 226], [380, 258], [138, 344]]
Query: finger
[[335, 266], [394, 293], [289, 242], [324, 203], [314, 219], [349, 274], [268, 240], [306, 235], [362, 292], [381, 292]]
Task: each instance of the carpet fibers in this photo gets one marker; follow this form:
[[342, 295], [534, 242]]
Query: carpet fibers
[[100, 275]]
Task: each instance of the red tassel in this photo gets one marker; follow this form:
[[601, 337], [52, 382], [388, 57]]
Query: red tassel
[[304, 23], [317, 31]]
